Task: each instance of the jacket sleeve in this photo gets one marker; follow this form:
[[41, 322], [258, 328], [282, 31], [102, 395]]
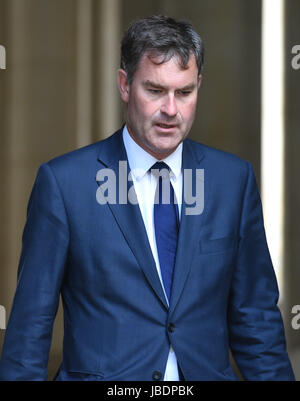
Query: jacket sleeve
[[45, 241], [256, 330]]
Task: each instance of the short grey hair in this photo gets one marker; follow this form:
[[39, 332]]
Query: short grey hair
[[160, 35]]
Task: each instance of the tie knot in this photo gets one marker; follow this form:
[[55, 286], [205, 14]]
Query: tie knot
[[160, 166]]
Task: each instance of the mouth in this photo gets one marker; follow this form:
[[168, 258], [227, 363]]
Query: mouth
[[165, 127]]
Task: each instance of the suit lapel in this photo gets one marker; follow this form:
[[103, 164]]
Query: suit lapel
[[189, 225], [128, 216]]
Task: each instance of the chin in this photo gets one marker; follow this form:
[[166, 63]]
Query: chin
[[163, 152], [163, 146], [168, 146]]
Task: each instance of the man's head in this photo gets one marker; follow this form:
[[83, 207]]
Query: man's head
[[161, 65]]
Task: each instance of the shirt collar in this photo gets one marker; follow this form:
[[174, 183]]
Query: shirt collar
[[141, 161]]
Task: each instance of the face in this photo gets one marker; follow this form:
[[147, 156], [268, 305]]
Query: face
[[160, 103]]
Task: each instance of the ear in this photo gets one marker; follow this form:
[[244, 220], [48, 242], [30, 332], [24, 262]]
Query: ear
[[123, 85], [199, 80]]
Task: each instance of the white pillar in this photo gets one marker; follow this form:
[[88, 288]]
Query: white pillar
[[272, 138]]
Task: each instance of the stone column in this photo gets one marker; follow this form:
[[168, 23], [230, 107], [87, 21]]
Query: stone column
[[37, 113]]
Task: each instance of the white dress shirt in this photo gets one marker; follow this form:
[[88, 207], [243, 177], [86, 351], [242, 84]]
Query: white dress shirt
[[145, 184]]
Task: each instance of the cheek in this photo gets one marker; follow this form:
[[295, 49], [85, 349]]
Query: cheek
[[188, 112], [142, 110]]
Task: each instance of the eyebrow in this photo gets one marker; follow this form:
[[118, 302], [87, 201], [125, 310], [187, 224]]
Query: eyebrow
[[158, 86]]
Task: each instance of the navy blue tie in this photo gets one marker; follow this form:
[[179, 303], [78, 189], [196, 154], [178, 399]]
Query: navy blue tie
[[166, 223]]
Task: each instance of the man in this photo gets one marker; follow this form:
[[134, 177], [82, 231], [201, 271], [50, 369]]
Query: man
[[152, 289]]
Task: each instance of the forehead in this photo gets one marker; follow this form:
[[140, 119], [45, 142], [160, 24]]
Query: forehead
[[166, 72]]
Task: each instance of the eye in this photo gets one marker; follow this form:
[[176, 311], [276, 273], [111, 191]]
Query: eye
[[155, 91], [185, 93]]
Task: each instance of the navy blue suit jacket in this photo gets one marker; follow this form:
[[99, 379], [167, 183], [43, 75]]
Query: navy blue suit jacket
[[116, 318]]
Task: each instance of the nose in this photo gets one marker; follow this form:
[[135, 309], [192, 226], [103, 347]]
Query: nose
[[169, 106]]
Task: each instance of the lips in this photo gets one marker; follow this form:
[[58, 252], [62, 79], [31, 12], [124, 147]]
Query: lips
[[166, 126]]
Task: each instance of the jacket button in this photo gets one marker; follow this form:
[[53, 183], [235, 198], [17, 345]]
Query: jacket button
[[156, 375], [171, 327]]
